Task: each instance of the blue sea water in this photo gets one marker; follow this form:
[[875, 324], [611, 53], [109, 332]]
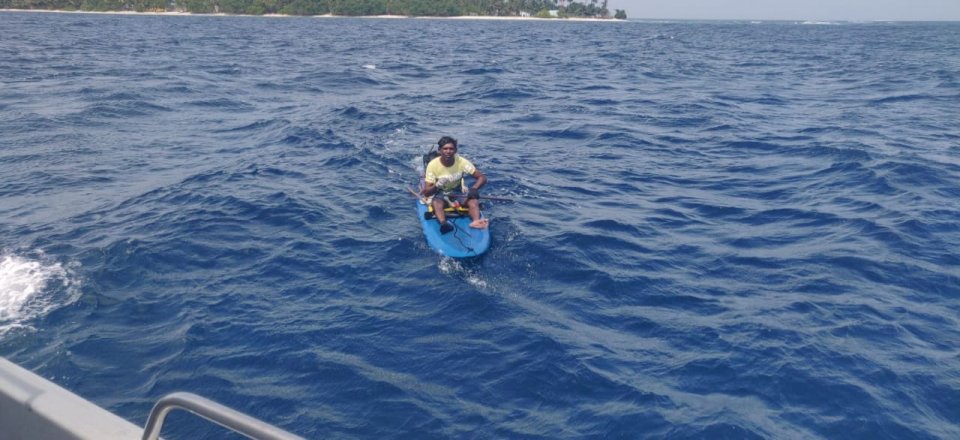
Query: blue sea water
[[721, 229]]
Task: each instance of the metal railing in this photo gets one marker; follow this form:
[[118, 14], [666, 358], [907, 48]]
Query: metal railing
[[224, 416]]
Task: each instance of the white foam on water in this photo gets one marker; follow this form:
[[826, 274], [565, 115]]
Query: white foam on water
[[31, 288], [369, 66], [477, 282], [449, 266]]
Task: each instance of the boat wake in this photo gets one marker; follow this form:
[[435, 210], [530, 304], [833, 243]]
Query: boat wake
[[32, 288]]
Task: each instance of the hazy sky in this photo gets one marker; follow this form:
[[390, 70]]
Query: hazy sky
[[791, 9]]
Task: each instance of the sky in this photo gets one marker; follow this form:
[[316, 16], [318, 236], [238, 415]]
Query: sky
[[852, 10]]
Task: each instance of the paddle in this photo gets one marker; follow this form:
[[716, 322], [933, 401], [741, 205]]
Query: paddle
[[415, 194], [463, 196], [494, 198]]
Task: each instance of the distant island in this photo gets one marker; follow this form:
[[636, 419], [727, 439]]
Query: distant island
[[412, 8]]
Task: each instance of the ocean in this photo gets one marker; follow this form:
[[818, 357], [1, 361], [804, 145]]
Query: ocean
[[719, 230]]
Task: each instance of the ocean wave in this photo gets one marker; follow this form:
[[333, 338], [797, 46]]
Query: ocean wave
[[219, 104]]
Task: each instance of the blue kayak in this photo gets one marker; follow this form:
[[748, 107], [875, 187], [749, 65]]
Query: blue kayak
[[462, 242]]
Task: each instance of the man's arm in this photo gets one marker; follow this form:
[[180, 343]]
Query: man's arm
[[429, 189], [481, 180]]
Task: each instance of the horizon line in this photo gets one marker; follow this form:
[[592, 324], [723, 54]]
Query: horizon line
[[507, 17]]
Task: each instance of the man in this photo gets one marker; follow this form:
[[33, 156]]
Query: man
[[444, 175]]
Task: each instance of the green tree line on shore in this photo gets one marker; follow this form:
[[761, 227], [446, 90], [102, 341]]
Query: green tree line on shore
[[442, 8]]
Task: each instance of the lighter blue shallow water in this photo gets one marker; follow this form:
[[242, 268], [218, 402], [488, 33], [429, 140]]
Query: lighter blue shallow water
[[723, 230]]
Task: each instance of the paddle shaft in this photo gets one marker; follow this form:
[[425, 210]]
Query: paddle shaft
[[494, 198], [415, 194], [463, 196]]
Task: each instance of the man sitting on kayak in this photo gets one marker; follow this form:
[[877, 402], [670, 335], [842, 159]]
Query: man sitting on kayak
[[444, 176]]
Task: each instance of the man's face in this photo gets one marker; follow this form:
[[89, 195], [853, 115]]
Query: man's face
[[448, 150]]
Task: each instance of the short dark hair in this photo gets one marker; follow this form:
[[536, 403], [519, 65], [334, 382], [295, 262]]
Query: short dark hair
[[446, 140]]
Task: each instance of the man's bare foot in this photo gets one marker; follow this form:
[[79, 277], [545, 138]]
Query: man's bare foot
[[480, 223]]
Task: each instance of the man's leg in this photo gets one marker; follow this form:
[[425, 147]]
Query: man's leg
[[473, 207], [438, 205]]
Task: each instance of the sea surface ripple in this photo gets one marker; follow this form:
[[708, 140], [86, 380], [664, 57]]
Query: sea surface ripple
[[721, 229]]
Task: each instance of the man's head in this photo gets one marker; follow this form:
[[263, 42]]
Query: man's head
[[446, 140], [447, 149]]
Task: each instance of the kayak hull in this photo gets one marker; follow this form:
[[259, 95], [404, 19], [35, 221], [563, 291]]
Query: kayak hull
[[462, 242]]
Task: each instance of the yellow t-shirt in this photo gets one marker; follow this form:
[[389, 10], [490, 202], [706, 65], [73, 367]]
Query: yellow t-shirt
[[448, 178]]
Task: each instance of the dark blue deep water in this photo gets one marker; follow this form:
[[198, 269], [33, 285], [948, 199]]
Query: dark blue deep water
[[721, 230]]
